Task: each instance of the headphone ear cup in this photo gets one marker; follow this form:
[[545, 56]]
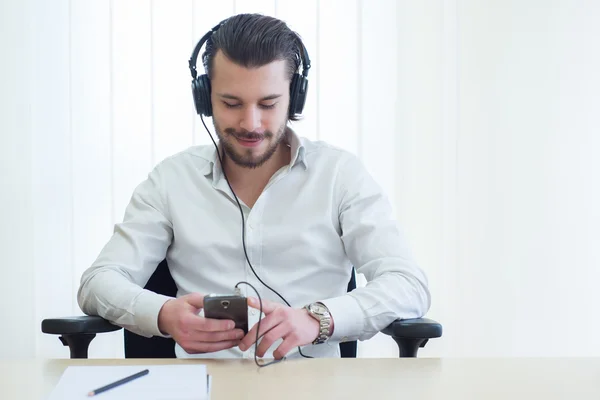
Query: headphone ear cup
[[195, 96], [293, 86], [205, 85], [298, 90], [201, 93]]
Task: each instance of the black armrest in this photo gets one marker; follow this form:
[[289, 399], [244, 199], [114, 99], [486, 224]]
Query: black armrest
[[418, 328], [84, 324], [77, 332], [410, 334]]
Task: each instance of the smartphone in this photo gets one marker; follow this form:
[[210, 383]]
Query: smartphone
[[231, 307]]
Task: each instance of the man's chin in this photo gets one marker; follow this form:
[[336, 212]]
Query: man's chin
[[248, 163], [251, 155], [246, 160]]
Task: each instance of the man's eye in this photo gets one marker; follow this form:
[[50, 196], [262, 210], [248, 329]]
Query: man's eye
[[263, 106]]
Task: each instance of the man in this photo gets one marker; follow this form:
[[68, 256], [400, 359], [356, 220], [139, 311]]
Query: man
[[311, 212]]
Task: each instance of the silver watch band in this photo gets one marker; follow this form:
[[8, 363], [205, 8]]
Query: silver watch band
[[320, 312]]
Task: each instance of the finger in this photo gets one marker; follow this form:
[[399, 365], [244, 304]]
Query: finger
[[208, 347], [191, 323], [271, 337], [267, 306], [288, 343], [215, 325], [266, 325], [222, 336]]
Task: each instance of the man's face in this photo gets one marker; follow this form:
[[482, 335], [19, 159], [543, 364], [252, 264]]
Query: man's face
[[250, 108]]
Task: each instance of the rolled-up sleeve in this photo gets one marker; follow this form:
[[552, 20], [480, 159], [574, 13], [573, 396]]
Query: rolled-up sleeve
[[397, 288], [112, 287]]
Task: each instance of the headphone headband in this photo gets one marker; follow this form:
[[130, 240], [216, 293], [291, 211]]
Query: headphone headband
[[194, 57]]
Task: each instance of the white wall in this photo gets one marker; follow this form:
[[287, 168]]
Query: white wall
[[17, 332], [528, 169], [497, 148], [477, 117]]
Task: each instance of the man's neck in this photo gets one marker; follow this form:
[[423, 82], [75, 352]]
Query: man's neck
[[243, 177]]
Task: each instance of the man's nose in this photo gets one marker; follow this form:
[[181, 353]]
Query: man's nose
[[251, 119]]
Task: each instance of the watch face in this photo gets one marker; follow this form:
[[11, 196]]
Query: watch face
[[318, 309]]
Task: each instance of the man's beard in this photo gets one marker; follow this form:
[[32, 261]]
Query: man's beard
[[247, 159]]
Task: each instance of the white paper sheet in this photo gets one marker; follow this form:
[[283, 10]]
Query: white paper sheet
[[172, 382]]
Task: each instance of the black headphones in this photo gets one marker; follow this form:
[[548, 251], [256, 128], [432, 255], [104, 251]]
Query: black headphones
[[201, 84]]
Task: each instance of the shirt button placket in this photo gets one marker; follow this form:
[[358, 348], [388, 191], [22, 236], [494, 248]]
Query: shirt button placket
[[251, 238], [254, 216]]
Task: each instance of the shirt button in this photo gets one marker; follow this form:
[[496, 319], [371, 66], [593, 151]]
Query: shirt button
[[345, 339], [252, 312]]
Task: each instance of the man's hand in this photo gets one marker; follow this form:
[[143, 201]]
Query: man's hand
[[294, 326], [195, 334]]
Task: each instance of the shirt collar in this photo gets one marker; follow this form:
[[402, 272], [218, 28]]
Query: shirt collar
[[298, 149], [291, 139]]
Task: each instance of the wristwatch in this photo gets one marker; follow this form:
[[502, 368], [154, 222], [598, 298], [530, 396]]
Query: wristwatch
[[321, 313]]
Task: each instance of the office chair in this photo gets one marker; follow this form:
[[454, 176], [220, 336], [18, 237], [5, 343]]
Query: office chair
[[78, 332]]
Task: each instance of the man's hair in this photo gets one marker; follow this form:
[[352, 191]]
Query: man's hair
[[253, 40]]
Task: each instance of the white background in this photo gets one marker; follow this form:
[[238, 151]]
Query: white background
[[479, 118]]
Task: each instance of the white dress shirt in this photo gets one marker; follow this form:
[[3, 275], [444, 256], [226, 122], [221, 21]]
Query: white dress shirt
[[317, 217]]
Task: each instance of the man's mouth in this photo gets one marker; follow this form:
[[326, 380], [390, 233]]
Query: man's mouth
[[249, 138], [249, 141]]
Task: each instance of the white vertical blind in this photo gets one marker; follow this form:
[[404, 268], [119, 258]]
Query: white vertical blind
[[339, 30], [171, 99], [91, 124], [90, 133], [52, 177], [131, 99], [266, 7], [16, 208]]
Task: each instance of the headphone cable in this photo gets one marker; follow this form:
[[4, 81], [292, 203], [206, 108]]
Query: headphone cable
[[248, 259]]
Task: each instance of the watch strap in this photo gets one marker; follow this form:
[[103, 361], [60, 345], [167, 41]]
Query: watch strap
[[324, 320]]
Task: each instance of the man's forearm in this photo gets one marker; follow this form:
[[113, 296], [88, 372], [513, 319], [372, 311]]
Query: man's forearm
[[111, 295], [365, 311]]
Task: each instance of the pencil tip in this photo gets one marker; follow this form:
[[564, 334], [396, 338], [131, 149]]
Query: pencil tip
[[90, 394]]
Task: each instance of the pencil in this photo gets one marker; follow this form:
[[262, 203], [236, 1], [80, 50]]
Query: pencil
[[117, 383]]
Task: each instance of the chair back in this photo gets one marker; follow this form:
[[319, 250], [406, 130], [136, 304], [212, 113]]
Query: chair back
[[137, 346], [162, 282]]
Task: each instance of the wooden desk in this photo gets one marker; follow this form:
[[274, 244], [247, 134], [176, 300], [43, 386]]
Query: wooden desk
[[369, 379]]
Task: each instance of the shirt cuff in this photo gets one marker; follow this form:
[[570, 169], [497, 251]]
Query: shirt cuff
[[347, 317], [147, 308]]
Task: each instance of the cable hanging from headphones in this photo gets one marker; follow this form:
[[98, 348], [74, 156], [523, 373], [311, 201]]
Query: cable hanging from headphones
[[244, 247]]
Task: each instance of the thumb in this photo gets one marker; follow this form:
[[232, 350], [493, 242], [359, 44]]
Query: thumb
[[195, 300]]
